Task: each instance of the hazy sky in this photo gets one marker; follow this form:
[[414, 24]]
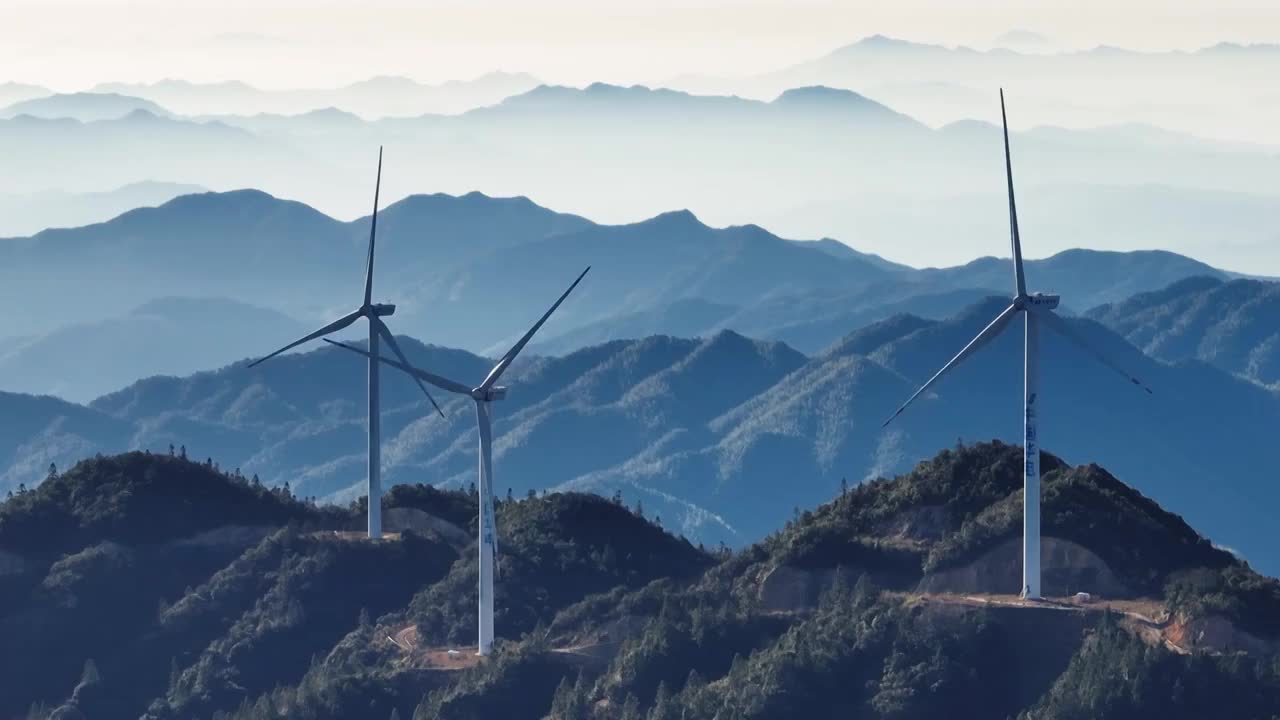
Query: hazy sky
[[69, 44]]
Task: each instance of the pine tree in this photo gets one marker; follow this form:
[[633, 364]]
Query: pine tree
[[631, 708], [90, 676], [53, 471], [183, 452], [170, 449], [568, 703], [663, 708]]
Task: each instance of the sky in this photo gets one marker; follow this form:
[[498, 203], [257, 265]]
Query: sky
[[72, 44]]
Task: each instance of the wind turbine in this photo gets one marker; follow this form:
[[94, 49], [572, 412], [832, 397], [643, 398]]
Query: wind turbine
[[483, 394], [1037, 310], [377, 328]]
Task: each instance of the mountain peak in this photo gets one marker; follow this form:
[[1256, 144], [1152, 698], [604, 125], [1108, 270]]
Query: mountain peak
[[674, 219], [85, 106], [473, 201], [822, 94], [881, 41], [140, 115]]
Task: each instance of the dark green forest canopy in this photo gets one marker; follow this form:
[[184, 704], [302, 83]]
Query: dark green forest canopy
[[150, 585]]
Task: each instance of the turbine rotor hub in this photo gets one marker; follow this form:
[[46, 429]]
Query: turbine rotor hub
[[497, 392]]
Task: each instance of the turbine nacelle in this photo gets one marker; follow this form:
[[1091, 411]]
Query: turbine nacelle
[[1040, 301], [381, 309], [497, 392]]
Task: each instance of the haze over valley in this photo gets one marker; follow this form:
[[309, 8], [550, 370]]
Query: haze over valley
[[835, 147]]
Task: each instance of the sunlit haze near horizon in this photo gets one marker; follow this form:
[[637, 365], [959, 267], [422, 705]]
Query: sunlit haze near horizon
[[1174, 149], [69, 45]]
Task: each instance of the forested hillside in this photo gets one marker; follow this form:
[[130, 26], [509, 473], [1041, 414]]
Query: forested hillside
[[152, 585]]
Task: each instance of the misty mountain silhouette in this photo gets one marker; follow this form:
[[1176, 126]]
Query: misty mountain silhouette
[[26, 213], [457, 266], [85, 107], [722, 435], [167, 336], [373, 97], [1229, 324]]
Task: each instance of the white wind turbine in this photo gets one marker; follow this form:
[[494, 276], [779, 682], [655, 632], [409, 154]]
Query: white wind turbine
[[1037, 309], [483, 394], [377, 328]]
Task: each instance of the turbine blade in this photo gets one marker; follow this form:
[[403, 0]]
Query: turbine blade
[[1019, 280], [395, 348], [988, 333], [1063, 328], [506, 360], [332, 327], [443, 383], [373, 229]]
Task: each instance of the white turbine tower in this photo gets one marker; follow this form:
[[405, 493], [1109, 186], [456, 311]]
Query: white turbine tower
[[483, 394], [1037, 309], [377, 328]]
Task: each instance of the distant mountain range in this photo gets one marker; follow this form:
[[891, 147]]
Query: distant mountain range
[[1078, 88], [168, 336], [722, 436], [29, 213], [1232, 325], [85, 107], [460, 267], [13, 92], [849, 167], [135, 148], [1131, 217], [376, 97]]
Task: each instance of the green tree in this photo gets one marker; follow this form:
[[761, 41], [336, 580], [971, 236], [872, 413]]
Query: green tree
[[663, 707], [631, 708], [90, 676]]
